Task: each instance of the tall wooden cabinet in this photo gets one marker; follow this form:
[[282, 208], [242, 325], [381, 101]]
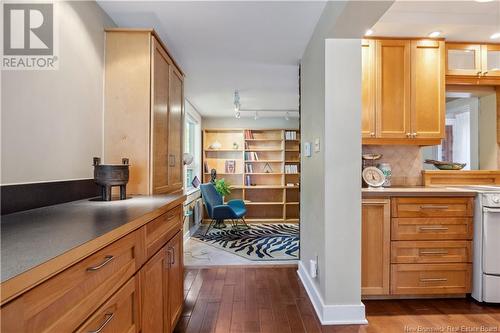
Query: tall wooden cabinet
[[403, 91], [144, 110]]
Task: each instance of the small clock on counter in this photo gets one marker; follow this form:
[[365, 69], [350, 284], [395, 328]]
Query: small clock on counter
[[374, 177]]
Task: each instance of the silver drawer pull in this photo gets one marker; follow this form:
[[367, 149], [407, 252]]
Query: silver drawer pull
[[433, 228], [434, 207], [108, 317], [433, 279], [104, 263], [433, 252]]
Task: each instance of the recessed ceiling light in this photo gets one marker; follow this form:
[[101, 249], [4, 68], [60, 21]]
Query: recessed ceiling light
[[484, 0], [435, 34], [496, 35], [369, 32]]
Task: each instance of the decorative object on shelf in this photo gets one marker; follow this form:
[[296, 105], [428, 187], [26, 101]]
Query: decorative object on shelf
[[213, 175], [387, 171], [187, 158], [373, 176], [235, 145], [267, 168], [230, 166], [442, 165], [216, 145], [222, 187], [108, 175], [369, 159]]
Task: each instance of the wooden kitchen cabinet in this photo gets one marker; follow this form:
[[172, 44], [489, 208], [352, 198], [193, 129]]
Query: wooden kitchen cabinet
[[175, 279], [392, 86], [375, 247], [368, 88], [428, 89], [162, 288], [473, 64], [144, 110], [403, 91]]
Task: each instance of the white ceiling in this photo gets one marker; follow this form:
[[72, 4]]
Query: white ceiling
[[457, 20], [254, 47]]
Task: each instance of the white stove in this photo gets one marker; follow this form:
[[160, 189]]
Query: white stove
[[486, 253]]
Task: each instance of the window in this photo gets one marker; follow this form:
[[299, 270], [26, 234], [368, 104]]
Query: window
[[192, 145]]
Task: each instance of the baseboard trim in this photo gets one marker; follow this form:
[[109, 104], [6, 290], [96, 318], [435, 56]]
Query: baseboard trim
[[335, 314]]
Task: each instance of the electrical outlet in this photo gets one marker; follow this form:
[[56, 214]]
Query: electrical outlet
[[307, 149], [313, 268]]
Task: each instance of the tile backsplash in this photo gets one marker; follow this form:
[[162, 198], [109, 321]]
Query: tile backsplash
[[405, 161]]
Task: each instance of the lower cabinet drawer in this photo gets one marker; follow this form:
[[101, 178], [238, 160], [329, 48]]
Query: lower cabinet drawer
[[430, 279], [161, 229], [424, 252], [431, 228], [65, 301], [118, 314]]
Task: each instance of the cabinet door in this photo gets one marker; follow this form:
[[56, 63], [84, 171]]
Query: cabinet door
[[176, 112], [463, 59], [490, 61], [393, 88], [154, 289], [368, 88], [160, 130], [175, 278], [375, 247], [427, 89], [118, 314]]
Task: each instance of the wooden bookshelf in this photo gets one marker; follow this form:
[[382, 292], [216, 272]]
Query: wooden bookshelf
[[262, 164]]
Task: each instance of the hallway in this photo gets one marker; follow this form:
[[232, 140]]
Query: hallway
[[272, 299]]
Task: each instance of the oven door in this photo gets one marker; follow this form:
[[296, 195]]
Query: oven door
[[491, 241]]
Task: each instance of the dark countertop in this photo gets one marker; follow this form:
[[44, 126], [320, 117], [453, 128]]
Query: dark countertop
[[417, 191], [33, 237]]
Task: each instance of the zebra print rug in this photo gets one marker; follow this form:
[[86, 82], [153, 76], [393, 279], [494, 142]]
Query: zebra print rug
[[260, 242]]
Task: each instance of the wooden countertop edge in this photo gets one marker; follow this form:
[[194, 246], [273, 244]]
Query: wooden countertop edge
[[417, 193], [23, 282]]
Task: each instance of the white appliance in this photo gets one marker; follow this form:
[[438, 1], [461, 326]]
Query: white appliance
[[486, 253]]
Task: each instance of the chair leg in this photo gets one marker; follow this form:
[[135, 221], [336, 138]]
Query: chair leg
[[210, 225], [245, 226]]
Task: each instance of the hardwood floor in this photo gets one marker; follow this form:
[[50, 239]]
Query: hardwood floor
[[261, 299]]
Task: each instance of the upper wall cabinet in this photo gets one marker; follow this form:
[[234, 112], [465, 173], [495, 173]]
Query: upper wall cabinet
[[144, 110], [403, 91], [473, 63]]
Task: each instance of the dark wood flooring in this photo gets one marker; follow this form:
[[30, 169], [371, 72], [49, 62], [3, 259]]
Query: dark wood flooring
[[238, 299]]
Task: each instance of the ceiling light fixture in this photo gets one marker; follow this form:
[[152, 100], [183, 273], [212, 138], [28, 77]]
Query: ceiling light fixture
[[287, 116], [496, 35], [484, 1], [238, 115], [237, 104], [369, 32], [434, 34]]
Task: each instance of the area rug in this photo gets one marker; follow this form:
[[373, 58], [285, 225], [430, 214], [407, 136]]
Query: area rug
[[260, 242]]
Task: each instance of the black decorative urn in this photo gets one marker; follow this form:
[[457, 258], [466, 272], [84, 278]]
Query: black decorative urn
[[108, 175]]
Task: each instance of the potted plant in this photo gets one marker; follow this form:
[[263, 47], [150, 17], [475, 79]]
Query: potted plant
[[222, 187]]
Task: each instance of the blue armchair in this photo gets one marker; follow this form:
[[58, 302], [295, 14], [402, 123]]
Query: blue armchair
[[234, 210]]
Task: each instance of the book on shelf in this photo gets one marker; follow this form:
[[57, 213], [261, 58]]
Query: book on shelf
[[206, 168], [248, 134], [248, 168], [290, 135], [251, 156], [248, 180], [291, 168], [230, 166]]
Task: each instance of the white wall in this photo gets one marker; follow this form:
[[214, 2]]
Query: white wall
[[488, 146], [330, 179], [260, 123], [52, 120]]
